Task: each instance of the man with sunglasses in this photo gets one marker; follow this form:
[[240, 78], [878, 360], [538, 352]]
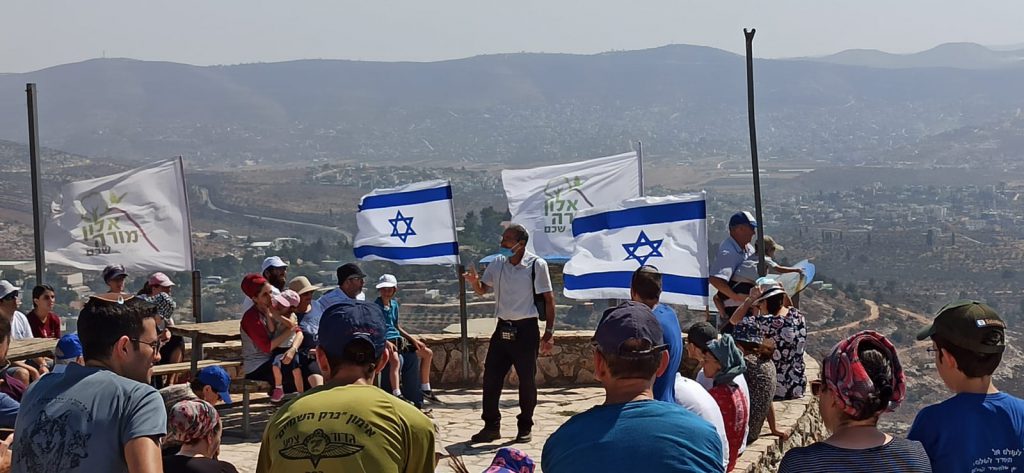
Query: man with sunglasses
[[101, 416], [629, 353]]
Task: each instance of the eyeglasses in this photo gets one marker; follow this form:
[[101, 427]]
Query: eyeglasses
[[817, 387], [155, 345], [932, 350]]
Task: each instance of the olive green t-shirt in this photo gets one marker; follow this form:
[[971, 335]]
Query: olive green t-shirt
[[354, 428]]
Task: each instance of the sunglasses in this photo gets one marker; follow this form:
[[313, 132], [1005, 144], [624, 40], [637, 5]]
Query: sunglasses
[[817, 387]]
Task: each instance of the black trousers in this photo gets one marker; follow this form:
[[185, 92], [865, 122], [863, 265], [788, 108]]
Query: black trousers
[[502, 355]]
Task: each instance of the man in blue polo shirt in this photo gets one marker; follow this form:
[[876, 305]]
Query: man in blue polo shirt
[[735, 251]]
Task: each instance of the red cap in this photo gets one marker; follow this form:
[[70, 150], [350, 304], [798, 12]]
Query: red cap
[[252, 283]]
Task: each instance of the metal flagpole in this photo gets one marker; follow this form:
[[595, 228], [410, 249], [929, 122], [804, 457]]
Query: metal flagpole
[[33, 152], [463, 314], [197, 296], [640, 164], [762, 268]]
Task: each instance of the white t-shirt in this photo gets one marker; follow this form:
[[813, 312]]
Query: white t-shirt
[[696, 399], [513, 288], [20, 329], [740, 381]]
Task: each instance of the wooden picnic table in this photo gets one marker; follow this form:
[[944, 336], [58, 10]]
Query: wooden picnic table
[[207, 332], [31, 348]]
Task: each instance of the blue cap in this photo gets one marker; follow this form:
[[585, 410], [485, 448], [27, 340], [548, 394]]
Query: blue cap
[[742, 218], [68, 347], [351, 320], [217, 379], [630, 320]]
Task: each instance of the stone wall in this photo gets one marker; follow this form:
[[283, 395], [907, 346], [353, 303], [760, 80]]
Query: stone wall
[[571, 361]]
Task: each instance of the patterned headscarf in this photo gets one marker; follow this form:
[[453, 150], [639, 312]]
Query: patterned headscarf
[[849, 381], [191, 420], [511, 460]]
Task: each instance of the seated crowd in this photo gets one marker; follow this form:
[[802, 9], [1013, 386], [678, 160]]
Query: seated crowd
[[94, 405]]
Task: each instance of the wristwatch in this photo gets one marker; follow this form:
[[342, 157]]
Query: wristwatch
[[549, 331]]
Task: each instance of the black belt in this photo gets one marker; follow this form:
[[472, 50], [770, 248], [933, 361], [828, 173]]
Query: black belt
[[531, 320]]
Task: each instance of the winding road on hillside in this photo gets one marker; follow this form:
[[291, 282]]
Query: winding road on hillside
[[872, 315], [204, 196]]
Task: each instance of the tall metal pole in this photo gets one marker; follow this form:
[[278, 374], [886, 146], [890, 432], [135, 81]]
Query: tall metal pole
[[762, 268], [33, 152], [463, 313], [640, 164]]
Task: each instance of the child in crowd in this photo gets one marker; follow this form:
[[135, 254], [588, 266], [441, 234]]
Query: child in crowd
[[284, 320], [979, 425], [398, 339], [68, 351]]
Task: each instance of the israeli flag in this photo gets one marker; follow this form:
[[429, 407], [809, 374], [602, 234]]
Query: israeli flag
[[412, 224], [669, 233]]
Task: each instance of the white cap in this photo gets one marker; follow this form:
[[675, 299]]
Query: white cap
[[273, 262], [387, 280], [7, 288]]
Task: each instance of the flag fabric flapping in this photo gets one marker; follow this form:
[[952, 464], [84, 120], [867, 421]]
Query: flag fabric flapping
[[546, 199], [669, 233], [137, 218], [411, 224]]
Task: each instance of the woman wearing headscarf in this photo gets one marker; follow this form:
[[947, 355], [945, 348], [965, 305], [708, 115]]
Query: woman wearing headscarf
[[860, 379], [723, 362], [196, 426]]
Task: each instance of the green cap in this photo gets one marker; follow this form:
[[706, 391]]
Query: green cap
[[970, 325]]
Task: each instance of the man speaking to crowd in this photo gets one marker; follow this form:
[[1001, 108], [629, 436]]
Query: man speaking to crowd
[[522, 293]]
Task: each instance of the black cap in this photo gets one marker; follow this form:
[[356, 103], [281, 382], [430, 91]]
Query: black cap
[[700, 334], [348, 271], [970, 325], [113, 271], [630, 320]]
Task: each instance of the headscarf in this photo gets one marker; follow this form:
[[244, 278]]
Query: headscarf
[[511, 460], [729, 356], [849, 381], [191, 420]]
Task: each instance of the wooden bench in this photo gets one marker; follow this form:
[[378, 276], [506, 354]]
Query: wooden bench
[[246, 384], [186, 366]]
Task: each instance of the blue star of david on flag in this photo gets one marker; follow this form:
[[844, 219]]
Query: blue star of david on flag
[[408, 226], [643, 241]]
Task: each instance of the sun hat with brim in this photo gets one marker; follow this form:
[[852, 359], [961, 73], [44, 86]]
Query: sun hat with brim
[[6, 289], [301, 285], [772, 292], [970, 325], [160, 279], [387, 280]]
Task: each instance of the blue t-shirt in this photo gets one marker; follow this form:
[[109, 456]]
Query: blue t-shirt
[[8, 411], [81, 419], [390, 318], [634, 436], [972, 432], [664, 385]]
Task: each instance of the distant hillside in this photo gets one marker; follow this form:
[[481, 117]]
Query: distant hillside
[[509, 108], [951, 55]]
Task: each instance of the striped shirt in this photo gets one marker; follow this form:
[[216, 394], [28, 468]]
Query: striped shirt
[[899, 455]]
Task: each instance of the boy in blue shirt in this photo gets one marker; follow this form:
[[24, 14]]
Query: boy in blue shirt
[[979, 427]]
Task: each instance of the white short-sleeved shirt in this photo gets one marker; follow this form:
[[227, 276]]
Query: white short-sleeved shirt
[[740, 381], [696, 399], [513, 289], [20, 329]]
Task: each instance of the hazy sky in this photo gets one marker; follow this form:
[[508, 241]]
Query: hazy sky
[[42, 33]]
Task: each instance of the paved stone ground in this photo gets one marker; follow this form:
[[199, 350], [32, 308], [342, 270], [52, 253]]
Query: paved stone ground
[[458, 419]]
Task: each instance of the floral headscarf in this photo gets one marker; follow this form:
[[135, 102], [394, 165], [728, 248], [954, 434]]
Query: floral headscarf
[[849, 381], [191, 420], [511, 460]]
